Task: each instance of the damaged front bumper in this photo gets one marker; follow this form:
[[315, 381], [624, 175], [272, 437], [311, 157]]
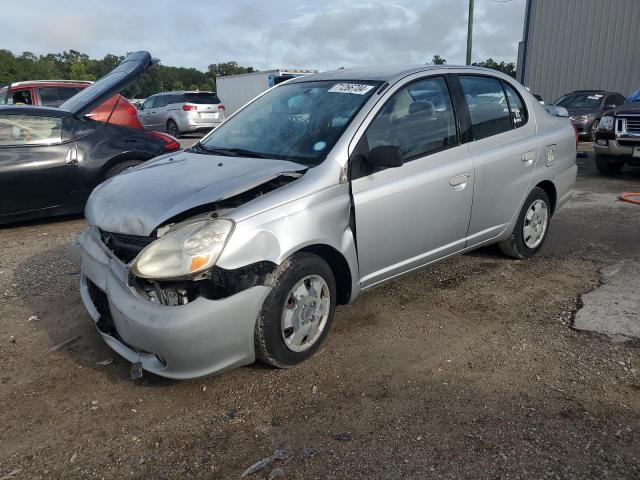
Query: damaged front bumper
[[185, 341]]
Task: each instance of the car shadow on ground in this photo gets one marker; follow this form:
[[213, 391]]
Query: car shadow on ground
[[47, 283]]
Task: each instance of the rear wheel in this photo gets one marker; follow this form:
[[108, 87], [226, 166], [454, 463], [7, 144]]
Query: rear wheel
[[608, 165], [121, 167], [172, 128], [296, 315], [530, 231]]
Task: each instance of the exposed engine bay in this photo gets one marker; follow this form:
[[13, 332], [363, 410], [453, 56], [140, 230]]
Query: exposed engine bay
[[215, 283]]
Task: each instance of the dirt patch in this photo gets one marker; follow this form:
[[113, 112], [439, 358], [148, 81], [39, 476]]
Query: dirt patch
[[467, 369]]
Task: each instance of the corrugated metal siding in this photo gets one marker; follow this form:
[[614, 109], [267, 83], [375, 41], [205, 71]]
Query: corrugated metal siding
[[582, 44]]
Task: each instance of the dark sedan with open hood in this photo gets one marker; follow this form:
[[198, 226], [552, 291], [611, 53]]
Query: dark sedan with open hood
[[52, 158]]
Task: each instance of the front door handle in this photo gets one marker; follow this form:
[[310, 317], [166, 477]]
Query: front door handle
[[459, 182], [528, 158]]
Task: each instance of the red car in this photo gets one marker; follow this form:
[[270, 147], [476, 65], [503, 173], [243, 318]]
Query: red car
[[53, 93]]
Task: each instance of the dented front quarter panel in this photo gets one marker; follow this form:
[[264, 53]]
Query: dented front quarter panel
[[309, 211]]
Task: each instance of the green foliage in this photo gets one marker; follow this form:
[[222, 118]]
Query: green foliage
[[74, 65], [508, 68], [438, 60]]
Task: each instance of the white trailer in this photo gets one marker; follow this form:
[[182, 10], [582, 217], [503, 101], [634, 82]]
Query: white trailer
[[236, 90]]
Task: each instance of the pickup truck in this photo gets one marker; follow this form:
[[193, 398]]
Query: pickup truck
[[617, 141]]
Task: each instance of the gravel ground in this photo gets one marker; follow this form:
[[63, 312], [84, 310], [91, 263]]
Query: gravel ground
[[469, 369]]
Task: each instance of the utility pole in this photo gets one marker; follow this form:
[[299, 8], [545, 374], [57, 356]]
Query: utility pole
[[470, 32]]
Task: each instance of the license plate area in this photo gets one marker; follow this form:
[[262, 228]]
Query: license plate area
[[636, 152]]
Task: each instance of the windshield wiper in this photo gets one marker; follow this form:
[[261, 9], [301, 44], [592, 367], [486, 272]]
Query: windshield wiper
[[229, 152]]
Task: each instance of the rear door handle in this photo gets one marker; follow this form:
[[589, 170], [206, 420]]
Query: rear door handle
[[528, 158], [459, 182], [72, 155]]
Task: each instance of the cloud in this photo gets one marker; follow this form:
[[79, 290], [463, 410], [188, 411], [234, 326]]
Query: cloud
[[279, 33]]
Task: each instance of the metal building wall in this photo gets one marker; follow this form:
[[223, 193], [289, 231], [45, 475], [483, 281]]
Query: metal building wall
[[580, 44]]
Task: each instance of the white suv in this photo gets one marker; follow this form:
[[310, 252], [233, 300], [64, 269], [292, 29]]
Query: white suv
[[181, 112]]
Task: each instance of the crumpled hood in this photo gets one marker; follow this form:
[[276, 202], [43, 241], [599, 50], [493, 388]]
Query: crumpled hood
[[139, 200]]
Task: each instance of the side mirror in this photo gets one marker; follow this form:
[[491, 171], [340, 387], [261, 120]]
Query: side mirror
[[384, 156]]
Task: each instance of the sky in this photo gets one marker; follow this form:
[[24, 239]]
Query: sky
[[321, 35]]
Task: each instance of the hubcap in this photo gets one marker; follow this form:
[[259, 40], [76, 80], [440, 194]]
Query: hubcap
[[535, 224], [305, 313]]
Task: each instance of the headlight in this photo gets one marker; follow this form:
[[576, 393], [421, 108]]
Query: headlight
[[185, 251], [606, 123], [581, 118]]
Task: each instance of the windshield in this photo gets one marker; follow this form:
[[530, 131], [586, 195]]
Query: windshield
[[297, 121], [201, 98], [580, 100]]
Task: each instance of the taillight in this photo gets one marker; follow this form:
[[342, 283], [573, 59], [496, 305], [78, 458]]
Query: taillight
[[221, 107], [188, 108], [170, 143]]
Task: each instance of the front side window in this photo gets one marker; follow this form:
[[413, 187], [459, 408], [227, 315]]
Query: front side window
[[418, 119], [487, 104], [517, 109], [30, 130], [56, 96], [297, 121], [148, 103]]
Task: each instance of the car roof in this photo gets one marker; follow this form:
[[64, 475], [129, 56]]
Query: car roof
[[384, 73], [180, 92], [29, 83], [31, 110]]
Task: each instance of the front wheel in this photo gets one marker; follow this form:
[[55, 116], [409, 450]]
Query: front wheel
[[296, 315], [531, 228]]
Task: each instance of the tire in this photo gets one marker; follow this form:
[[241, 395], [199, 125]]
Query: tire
[[279, 345], [172, 128], [608, 165], [594, 129], [532, 227], [121, 167]]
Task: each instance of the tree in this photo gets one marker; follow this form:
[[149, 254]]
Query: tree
[[508, 68], [438, 60], [76, 65]]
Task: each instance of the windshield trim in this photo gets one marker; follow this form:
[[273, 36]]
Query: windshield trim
[[306, 161]]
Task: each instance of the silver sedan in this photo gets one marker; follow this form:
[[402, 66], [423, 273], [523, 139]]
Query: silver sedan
[[319, 189]]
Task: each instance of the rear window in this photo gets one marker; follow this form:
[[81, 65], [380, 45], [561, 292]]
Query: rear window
[[204, 98], [30, 130], [56, 96]]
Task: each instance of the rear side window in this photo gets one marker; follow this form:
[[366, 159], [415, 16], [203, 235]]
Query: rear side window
[[487, 104], [201, 98], [56, 96], [418, 119], [519, 115], [30, 130], [3, 94], [162, 101]]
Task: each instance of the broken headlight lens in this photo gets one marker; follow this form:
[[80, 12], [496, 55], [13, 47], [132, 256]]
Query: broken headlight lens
[[185, 251]]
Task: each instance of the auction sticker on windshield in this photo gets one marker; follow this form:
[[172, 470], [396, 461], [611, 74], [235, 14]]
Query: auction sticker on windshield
[[355, 88]]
